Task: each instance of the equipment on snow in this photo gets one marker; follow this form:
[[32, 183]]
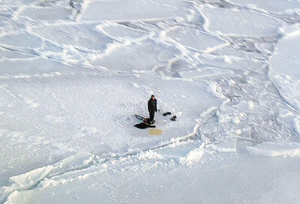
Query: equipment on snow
[[145, 120], [167, 113], [145, 124], [174, 118], [140, 117]]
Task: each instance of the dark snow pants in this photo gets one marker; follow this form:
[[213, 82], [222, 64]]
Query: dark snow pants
[[151, 115]]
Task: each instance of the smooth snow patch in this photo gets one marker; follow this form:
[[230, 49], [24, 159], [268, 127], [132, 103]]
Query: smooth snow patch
[[240, 22]]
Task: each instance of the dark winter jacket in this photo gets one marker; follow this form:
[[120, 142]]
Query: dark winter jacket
[[152, 105]]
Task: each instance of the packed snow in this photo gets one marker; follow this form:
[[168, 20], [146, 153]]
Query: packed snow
[[73, 74]]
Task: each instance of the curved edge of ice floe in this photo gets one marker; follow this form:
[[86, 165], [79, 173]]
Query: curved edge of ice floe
[[205, 20], [275, 150], [285, 80], [289, 31]]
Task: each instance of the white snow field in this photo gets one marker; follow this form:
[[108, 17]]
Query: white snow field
[[73, 74]]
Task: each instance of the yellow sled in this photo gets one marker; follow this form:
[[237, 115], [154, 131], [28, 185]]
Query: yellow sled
[[155, 132]]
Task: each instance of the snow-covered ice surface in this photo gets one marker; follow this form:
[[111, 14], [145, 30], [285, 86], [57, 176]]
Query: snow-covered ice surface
[[73, 74]]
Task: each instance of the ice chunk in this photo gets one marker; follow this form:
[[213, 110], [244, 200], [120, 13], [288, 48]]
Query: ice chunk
[[78, 161], [276, 149], [192, 157], [29, 179]]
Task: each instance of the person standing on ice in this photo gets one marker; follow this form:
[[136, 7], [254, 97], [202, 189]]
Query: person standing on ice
[[152, 108]]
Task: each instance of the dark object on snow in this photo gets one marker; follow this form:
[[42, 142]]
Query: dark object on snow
[[148, 121], [174, 118], [167, 113], [144, 125], [145, 120]]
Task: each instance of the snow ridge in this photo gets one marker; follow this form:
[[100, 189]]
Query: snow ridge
[[33, 178], [74, 72]]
